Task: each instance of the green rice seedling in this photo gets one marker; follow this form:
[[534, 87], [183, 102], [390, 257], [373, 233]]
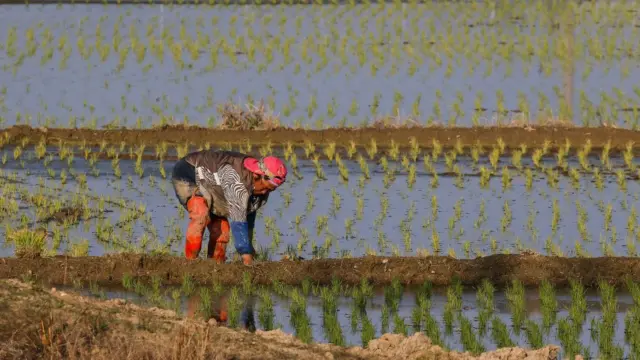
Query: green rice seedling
[[247, 284], [393, 295], [555, 216], [372, 149], [578, 309], [632, 325], [342, 169], [394, 150], [621, 180], [384, 319], [128, 282], [485, 301], [27, 242], [234, 307], [188, 286], [598, 180], [265, 311], [569, 336], [362, 293], [80, 248], [549, 305], [415, 150], [485, 177], [468, 338], [604, 329], [364, 167], [399, 325], [628, 156], [205, 309], [452, 307], [175, 296], [505, 222], [96, 291], [500, 333], [450, 158], [516, 299], [320, 174], [604, 156], [368, 330], [534, 334], [299, 318], [516, 159], [436, 150]]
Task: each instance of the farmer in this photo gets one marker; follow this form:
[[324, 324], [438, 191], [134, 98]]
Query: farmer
[[222, 190]]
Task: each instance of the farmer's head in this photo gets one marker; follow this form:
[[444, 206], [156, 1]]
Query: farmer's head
[[268, 173]]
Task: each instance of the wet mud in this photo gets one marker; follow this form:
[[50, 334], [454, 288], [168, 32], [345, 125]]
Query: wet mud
[[500, 269], [448, 137]]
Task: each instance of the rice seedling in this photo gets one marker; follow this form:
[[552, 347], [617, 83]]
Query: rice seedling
[[578, 309], [500, 333], [27, 242], [299, 318], [234, 307], [469, 340], [515, 296], [549, 305]]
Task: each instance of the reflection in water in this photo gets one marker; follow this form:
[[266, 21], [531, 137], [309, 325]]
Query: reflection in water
[[218, 308]]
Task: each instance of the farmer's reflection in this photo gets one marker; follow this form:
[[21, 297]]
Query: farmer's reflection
[[219, 310]]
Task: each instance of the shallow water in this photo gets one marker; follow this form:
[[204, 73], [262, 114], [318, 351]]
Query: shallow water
[[408, 225], [251, 306], [92, 92]]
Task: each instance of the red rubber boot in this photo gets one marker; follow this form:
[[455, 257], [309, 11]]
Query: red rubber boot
[[199, 215], [219, 235]]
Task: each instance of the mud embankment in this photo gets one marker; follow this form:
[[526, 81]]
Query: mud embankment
[[39, 324], [513, 137], [501, 269]]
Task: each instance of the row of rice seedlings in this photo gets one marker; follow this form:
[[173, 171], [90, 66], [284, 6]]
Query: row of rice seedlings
[[423, 316], [67, 209], [105, 230], [493, 41], [617, 109], [66, 153], [451, 42]]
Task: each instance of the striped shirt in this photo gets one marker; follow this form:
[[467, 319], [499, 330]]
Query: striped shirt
[[239, 201]]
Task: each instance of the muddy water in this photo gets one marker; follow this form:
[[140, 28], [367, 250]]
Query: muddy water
[[407, 226], [248, 317], [92, 91]]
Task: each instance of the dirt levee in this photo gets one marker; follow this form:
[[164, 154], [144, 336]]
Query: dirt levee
[[513, 137], [39, 324], [531, 269]]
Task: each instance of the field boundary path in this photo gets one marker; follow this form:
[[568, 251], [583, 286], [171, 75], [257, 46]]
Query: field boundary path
[[530, 269], [447, 137]]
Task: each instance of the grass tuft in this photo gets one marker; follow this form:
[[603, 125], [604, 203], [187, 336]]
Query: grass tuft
[[234, 117]]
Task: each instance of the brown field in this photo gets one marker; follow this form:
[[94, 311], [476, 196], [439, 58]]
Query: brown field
[[531, 269], [513, 137]]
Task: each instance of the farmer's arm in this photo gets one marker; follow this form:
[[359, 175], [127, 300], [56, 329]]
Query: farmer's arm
[[237, 201], [251, 223]]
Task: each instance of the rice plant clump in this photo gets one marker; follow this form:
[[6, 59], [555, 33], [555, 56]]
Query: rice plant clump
[[28, 243], [255, 117]]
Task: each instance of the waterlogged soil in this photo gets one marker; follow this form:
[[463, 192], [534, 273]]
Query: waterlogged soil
[[513, 137], [501, 269], [51, 324]]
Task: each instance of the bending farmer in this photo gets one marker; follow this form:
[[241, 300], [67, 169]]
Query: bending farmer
[[222, 190]]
